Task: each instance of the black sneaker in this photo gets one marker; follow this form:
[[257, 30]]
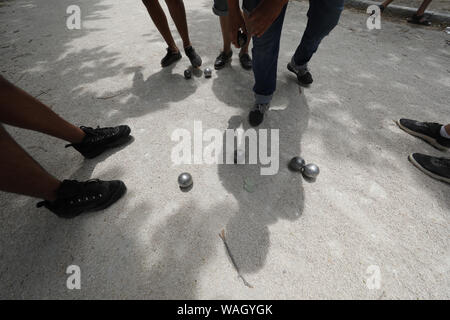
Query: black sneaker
[[246, 61], [305, 77], [74, 198], [98, 140], [170, 58], [195, 59], [438, 168], [256, 115], [222, 60], [428, 131]]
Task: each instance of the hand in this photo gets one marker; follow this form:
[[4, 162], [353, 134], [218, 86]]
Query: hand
[[264, 15], [235, 22]]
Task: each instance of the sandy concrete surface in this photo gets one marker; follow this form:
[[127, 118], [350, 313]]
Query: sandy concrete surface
[[291, 239]]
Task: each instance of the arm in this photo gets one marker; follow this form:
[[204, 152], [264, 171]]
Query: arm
[[236, 21], [264, 15]]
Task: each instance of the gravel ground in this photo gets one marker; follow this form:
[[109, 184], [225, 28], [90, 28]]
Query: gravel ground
[[290, 238]]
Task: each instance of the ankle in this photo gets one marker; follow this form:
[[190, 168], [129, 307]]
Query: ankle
[[242, 52], [77, 136], [174, 49], [53, 191], [444, 132]]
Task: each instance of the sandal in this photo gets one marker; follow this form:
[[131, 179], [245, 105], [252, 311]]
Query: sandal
[[420, 20]]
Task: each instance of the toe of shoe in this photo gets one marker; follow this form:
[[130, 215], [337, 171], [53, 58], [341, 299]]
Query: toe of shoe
[[255, 118], [124, 130]]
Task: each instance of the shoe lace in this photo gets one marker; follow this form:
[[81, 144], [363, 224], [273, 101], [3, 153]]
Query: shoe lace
[[442, 162], [81, 194], [94, 135]]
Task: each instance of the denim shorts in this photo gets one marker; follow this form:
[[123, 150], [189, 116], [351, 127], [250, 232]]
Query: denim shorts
[[220, 7]]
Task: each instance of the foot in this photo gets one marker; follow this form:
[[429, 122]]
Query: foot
[[74, 198], [99, 140], [171, 57], [256, 115], [246, 61], [428, 131], [438, 168], [195, 59], [420, 20], [303, 74], [222, 60]]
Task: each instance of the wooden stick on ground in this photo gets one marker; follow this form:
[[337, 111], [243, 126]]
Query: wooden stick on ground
[[222, 236]]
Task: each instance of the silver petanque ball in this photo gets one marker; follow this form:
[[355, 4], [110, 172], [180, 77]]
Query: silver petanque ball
[[311, 171], [187, 74], [208, 73], [297, 163], [185, 180]]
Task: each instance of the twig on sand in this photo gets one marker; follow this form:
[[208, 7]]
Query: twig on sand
[[40, 94], [222, 236], [112, 96]]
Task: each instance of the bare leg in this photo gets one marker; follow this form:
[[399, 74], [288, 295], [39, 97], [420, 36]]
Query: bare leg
[[423, 7], [386, 3], [19, 109], [19, 173], [224, 23], [178, 14], [159, 19], [225, 34], [244, 49]]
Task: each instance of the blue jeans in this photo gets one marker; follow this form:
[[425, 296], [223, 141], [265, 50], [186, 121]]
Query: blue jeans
[[323, 16], [265, 51]]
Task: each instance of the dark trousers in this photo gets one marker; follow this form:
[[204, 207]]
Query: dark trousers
[[323, 16]]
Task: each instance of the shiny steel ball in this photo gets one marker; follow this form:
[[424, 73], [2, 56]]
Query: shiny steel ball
[[297, 163], [187, 74], [185, 180], [311, 171], [208, 73]]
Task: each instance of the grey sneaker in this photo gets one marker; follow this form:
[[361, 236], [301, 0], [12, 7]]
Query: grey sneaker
[[302, 73], [256, 115], [428, 131], [438, 168]]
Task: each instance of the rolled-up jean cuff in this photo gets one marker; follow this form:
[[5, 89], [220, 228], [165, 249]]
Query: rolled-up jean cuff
[[262, 99], [220, 13]]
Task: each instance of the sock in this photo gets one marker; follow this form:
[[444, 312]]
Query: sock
[[301, 69], [444, 133]]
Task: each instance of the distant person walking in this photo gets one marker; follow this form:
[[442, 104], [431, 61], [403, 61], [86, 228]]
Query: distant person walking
[[418, 17]]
